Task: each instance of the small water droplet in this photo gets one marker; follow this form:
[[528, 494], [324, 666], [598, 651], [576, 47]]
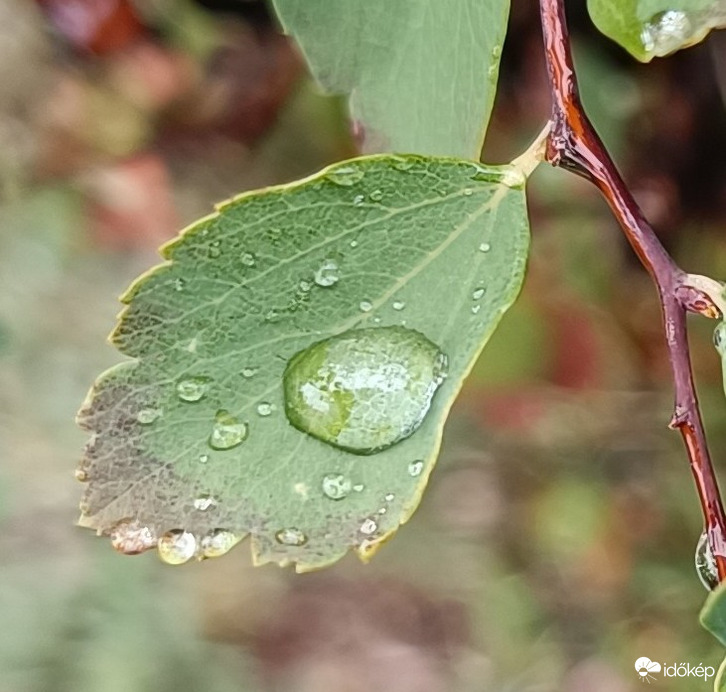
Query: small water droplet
[[382, 511], [228, 431], [376, 195], [365, 306], [218, 542], [478, 293], [146, 416], [132, 538], [248, 259], [365, 389], [179, 284], [249, 372], [345, 175], [485, 247], [328, 274], [415, 468], [81, 475], [214, 249], [304, 286], [368, 527], [336, 486], [358, 200], [475, 309], [706, 563], [291, 536], [204, 502], [271, 315], [359, 487], [191, 389], [265, 408], [203, 458], [468, 192], [176, 547], [389, 497], [398, 305], [354, 243]]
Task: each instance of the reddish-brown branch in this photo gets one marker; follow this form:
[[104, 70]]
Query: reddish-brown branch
[[574, 144]]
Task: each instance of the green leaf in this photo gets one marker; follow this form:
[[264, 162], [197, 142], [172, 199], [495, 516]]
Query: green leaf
[[654, 28], [192, 433], [719, 684], [421, 75], [713, 613]]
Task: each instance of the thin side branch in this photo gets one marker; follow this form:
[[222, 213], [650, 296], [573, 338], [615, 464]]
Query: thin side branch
[[574, 144]]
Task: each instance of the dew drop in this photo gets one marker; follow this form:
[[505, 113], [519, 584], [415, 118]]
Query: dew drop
[[376, 195], [336, 486], [247, 373], [228, 431], [205, 502], [359, 487], [415, 468], [365, 306], [363, 390], [666, 32], [218, 542], [191, 389], [203, 458], [475, 309], [291, 536], [390, 497], [132, 538], [214, 249], [478, 293], [248, 259], [345, 175], [354, 243], [382, 511], [146, 416], [328, 274], [706, 563], [304, 286], [468, 192], [358, 200], [265, 408], [176, 547], [398, 305], [368, 527], [485, 247], [179, 284]]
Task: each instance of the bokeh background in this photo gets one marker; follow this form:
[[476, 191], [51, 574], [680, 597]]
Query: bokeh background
[[555, 543]]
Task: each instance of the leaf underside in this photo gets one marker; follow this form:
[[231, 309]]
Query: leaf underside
[[414, 241], [421, 75]]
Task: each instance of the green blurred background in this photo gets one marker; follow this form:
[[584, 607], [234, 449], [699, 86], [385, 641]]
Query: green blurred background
[[555, 543]]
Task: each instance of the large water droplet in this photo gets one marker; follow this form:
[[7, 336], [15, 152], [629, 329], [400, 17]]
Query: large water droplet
[[191, 389], [218, 542], [132, 538], [328, 274], [176, 547], [146, 416], [415, 468], [706, 563], [364, 390], [336, 486], [666, 32], [291, 536], [345, 175], [227, 432]]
